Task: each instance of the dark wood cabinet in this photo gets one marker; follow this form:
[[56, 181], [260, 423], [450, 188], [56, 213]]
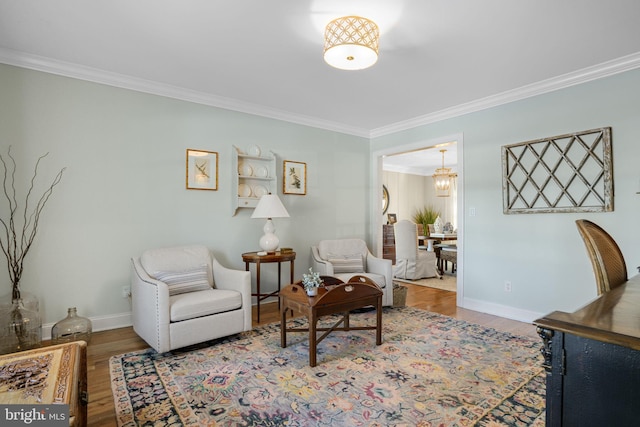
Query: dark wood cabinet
[[388, 243], [592, 358]]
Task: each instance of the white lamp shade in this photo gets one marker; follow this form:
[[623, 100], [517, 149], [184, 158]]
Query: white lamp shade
[[270, 206]]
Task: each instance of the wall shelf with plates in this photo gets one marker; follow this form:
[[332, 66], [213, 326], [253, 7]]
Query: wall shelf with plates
[[253, 175]]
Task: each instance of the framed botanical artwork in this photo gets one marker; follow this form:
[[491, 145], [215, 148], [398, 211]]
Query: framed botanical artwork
[[294, 178], [202, 170]]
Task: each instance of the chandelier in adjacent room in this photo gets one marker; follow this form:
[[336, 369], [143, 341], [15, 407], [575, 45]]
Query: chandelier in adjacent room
[[443, 179]]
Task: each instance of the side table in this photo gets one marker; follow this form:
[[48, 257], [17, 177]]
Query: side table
[[253, 257]]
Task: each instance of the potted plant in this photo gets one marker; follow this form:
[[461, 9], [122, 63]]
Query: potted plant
[[425, 216], [18, 228], [311, 282]]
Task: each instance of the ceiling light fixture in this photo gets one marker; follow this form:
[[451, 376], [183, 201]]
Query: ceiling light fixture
[[443, 179], [351, 43]]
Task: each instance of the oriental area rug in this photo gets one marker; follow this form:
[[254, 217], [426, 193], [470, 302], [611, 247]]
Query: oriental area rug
[[430, 371]]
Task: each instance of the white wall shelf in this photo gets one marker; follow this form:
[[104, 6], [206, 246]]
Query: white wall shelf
[[252, 177]]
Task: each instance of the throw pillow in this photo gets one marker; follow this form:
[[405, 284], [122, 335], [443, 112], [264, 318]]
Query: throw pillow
[[181, 282], [346, 263]]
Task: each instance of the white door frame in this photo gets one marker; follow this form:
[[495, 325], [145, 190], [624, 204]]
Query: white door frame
[[377, 219]]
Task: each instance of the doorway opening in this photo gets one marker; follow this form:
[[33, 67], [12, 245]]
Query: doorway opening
[[406, 172]]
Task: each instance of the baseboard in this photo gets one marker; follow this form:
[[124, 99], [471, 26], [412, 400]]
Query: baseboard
[[123, 320], [512, 313], [98, 323], [112, 321]]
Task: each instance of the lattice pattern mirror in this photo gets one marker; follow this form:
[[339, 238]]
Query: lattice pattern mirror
[[565, 173]]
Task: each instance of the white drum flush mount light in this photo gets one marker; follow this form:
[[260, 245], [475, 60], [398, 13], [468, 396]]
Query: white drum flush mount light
[[351, 43]]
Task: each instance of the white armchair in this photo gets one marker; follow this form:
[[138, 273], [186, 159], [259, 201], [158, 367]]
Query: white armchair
[[183, 296], [345, 258], [411, 263]]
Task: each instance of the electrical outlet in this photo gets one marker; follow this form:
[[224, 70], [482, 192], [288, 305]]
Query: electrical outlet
[[472, 211], [507, 286], [126, 292]]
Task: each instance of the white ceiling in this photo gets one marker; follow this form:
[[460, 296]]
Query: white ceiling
[[437, 57], [424, 161]]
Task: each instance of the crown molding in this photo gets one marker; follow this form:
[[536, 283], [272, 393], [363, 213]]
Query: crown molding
[[605, 69], [66, 69]]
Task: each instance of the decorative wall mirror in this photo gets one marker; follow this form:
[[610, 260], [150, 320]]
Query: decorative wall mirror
[[385, 199]]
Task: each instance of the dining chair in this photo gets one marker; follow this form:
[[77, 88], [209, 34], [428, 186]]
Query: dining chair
[[605, 255], [411, 263]]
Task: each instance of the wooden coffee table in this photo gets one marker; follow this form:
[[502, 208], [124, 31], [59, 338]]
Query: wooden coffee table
[[337, 299]]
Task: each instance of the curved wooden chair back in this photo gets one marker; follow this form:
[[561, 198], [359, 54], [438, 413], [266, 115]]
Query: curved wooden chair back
[[605, 255]]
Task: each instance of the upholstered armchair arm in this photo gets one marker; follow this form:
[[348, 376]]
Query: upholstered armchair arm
[[235, 280], [380, 266], [150, 308], [325, 268]]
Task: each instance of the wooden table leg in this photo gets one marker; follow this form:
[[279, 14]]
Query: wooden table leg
[[379, 321], [279, 280], [312, 338], [283, 327], [291, 271], [258, 289]]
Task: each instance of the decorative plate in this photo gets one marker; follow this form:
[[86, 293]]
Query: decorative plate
[[244, 190], [262, 172], [246, 170], [260, 190], [254, 150]]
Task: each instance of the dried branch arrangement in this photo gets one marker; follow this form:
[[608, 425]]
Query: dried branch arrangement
[[19, 225]]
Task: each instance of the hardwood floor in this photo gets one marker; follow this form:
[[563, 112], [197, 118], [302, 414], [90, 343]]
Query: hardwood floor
[[109, 343]]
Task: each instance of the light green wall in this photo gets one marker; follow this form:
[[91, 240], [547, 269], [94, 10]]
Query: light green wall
[[124, 188], [541, 254]]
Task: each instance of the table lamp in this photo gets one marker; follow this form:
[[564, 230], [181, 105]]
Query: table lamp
[[269, 206]]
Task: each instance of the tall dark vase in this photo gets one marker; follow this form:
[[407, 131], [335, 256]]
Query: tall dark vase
[[20, 326]]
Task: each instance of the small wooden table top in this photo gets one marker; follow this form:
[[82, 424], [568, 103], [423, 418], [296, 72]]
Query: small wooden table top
[[336, 299], [443, 236], [269, 257]]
